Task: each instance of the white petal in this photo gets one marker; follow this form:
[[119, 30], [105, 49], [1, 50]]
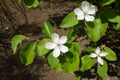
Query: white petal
[[63, 40], [80, 17], [93, 55], [99, 59], [79, 13], [85, 6], [92, 10], [56, 52], [63, 48], [50, 45], [89, 18], [103, 54], [97, 51], [55, 37]]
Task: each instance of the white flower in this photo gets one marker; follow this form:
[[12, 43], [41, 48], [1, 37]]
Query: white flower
[[87, 11], [57, 44], [98, 54]]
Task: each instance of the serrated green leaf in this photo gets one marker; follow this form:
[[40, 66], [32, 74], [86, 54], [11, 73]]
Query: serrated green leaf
[[69, 21], [87, 63], [40, 49], [111, 54], [102, 69], [107, 2], [27, 53], [16, 40], [47, 29], [96, 29]]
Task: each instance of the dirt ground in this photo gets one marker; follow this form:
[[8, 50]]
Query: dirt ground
[[17, 19]]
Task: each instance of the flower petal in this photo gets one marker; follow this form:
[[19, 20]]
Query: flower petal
[[63, 49], [97, 51], [89, 18], [92, 10], [50, 45], [93, 55], [99, 59], [85, 6], [103, 54], [56, 52], [55, 37], [79, 13], [63, 40]]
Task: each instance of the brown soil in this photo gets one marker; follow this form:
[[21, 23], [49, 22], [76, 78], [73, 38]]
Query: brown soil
[[17, 19]]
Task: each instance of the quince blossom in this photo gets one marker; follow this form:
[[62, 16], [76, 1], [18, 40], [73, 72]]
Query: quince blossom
[[86, 12], [57, 45], [98, 54]]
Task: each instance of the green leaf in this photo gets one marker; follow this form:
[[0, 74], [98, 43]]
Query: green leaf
[[96, 29], [31, 3], [87, 63], [102, 69], [90, 49], [111, 54], [47, 29], [76, 47], [36, 3], [16, 40], [107, 2], [54, 62], [41, 50], [71, 35], [78, 78], [69, 21], [112, 17], [70, 66], [27, 54], [117, 26], [115, 19], [28, 2]]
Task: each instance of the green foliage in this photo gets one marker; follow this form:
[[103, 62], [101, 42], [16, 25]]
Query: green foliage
[[27, 53], [111, 54], [107, 2], [72, 62], [78, 78], [40, 49], [72, 59], [54, 62], [16, 40], [102, 69], [30, 3], [90, 49], [71, 35], [47, 29], [69, 21], [96, 29], [76, 47], [87, 63]]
